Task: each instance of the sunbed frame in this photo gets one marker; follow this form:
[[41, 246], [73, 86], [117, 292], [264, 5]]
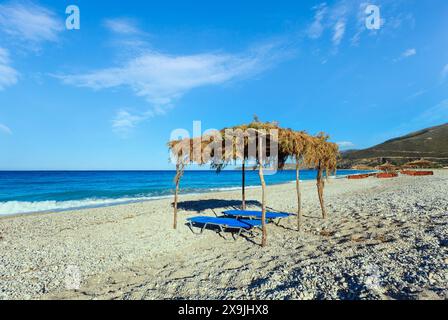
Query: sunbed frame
[[222, 228]]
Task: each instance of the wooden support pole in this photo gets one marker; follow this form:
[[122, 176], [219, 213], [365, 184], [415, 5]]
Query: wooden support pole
[[243, 184], [299, 200], [263, 192]]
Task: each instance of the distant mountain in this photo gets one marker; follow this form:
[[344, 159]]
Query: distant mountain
[[430, 144]]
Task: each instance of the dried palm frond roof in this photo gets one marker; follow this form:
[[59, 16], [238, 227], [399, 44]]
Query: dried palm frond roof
[[294, 143], [242, 142], [387, 167], [321, 152], [211, 148], [422, 163], [189, 150]]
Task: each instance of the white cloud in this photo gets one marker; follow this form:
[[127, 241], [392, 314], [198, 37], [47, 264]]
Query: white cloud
[[445, 71], [5, 129], [406, 54], [162, 78], [417, 94], [433, 116], [409, 53], [437, 113], [8, 75], [28, 22], [399, 20], [25, 25], [356, 38], [346, 144], [347, 18], [332, 18], [360, 24], [122, 26], [316, 29], [339, 31], [124, 121]]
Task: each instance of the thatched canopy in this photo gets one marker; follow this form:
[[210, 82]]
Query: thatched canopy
[[265, 143], [243, 140], [235, 143], [387, 167], [422, 163], [294, 143], [322, 153]]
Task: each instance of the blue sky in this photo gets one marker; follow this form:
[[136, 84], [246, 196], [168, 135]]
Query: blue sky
[[108, 96]]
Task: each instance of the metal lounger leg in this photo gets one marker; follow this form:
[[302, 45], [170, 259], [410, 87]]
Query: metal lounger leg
[[190, 225], [205, 226], [221, 232], [237, 235]]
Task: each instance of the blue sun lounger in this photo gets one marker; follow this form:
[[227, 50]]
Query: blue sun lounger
[[247, 214], [223, 224]]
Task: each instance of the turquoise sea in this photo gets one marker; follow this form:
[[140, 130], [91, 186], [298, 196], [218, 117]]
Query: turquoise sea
[[35, 191]]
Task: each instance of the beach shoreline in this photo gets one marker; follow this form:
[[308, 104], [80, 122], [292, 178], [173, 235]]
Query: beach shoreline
[[383, 239], [127, 200]]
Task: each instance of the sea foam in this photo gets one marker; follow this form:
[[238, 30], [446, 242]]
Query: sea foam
[[17, 207]]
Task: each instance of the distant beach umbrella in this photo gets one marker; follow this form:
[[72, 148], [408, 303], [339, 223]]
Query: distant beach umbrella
[[387, 167], [420, 164]]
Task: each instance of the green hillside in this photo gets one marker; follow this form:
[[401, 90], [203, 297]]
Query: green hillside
[[430, 143]]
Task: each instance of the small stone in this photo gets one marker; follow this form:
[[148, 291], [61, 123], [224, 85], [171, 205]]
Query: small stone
[[306, 296]]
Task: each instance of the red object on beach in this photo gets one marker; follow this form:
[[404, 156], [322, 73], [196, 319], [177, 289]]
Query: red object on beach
[[417, 173], [386, 175], [358, 176]]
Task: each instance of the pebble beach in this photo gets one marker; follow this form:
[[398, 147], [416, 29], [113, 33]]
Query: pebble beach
[[384, 239]]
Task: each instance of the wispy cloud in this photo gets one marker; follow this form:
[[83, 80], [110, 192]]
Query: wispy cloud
[[332, 18], [360, 26], [406, 54], [122, 26], [347, 18], [399, 20], [416, 94], [8, 75], [125, 121], [339, 15], [162, 78], [29, 22], [127, 36], [409, 53], [24, 25], [435, 114], [346, 144], [432, 116], [339, 31], [444, 72], [316, 28], [4, 129]]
